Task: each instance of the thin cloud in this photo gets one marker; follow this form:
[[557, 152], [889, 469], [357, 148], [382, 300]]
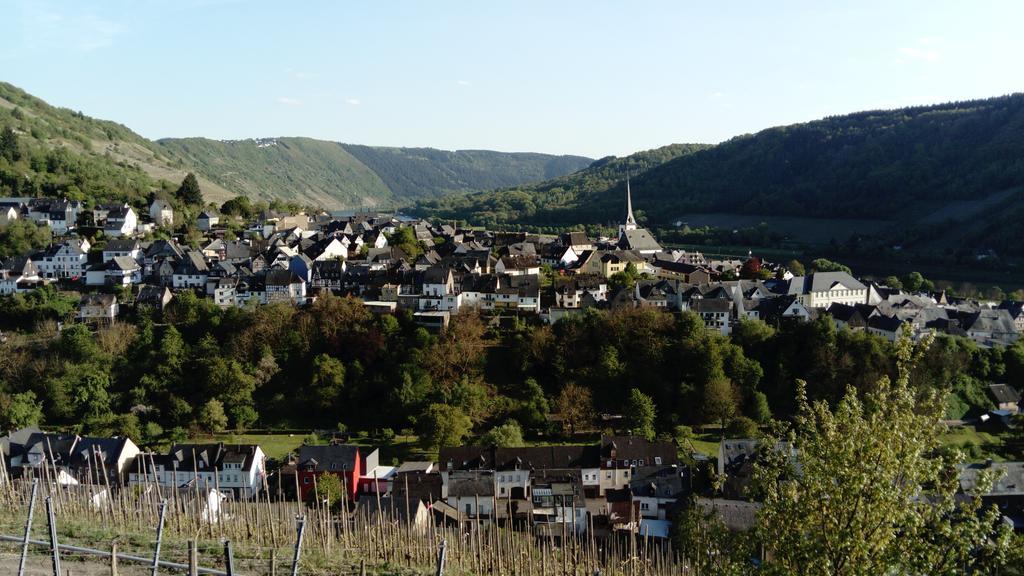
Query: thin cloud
[[922, 51], [352, 101], [463, 82], [289, 101]]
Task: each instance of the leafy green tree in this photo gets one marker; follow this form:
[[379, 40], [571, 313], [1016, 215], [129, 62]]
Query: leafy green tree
[[404, 239], [875, 493], [211, 417], [913, 281], [825, 265], [328, 381], [20, 410], [758, 409], [9, 147], [238, 206], [534, 408], [796, 268], [90, 393], [189, 191], [640, 413], [328, 489], [507, 435], [575, 405], [893, 282], [720, 402], [22, 236], [442, 425]]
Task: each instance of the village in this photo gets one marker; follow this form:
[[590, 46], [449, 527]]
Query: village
[[614, 483], [436, 270]]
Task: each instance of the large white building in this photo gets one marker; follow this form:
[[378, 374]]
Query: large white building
[[822, 289]]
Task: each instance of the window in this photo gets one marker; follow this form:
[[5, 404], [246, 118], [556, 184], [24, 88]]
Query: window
[[657, 460], [641, 462], [305, 480]]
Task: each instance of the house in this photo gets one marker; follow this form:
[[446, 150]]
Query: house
[[9, 212], [98, 308], [161, 213], [79, 459], [345, 461], [119, 271], [19, 274], [990, 326], [239, 469], [621, 456], [715, 312], [284, 286], [393, 508], [822, 289], [558, 502], [1005, 396], [156, 297], [632, 237], [206, 221], [656, 490], [471, 492], [191, 271], [120, 221], [129, 247], [67, 260]]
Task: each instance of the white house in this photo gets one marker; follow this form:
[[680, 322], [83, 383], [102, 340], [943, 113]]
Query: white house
[[207, 220], [240, 469], [98, 308], [129, 247], [161, 213], [65, 260], [822, 289], [121, 222]]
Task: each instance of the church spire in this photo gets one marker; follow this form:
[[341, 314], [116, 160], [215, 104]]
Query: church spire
[[630, 220]]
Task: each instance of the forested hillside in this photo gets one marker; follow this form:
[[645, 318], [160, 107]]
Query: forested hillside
[[57, 151], [956, 167], [335, 175], [579, 198]]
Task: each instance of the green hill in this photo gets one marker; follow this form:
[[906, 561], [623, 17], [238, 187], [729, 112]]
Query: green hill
[[64, 152], [336, 175], [61, 151], [947, 176]]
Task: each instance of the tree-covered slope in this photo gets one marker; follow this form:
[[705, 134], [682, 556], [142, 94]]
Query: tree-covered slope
[[311, 172], [891, 165], [581, 197], [335, 175], [64, 152], [413, 173]]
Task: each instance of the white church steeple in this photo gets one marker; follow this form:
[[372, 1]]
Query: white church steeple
[[630, 223]]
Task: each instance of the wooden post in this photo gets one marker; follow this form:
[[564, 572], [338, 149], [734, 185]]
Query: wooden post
[[193, 559], [229, 559], [28, 526], [159, 538], [441, 558], [54, 547], [298, 544], [273, 562], [113, 558]]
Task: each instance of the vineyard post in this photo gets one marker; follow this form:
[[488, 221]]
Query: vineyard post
[[28, 526], [298, 544], [52, 523], [159, 537]]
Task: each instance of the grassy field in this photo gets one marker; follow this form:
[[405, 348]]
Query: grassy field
[[980, 446]]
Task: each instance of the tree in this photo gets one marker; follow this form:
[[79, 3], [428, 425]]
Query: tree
[[534, 407], [189, 191], [237, 206], [825, 265], [913, 281], [893, 282], [575, 405], [328, 381], [9, 145], [751, 269], [328, 489], [719, 401], [212, 417], [640, 413], [20, 410], [442, 425], [796, 268], [758, 409], [507, 435], [875, 494]]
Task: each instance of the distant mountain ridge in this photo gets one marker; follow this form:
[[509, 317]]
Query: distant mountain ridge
[[947, 176], [338, 175], [104, 160]]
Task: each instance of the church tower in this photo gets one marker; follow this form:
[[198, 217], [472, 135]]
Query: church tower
[[630, 223]]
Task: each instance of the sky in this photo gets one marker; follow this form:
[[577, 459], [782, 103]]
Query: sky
[[590, 77]]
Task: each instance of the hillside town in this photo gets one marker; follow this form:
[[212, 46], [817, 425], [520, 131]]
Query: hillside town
[[436, 270]]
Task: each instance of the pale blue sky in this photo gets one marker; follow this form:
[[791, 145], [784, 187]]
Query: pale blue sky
[[587, 77]]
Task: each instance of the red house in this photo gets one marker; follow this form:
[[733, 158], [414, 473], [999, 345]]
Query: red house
[[343, 460]]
